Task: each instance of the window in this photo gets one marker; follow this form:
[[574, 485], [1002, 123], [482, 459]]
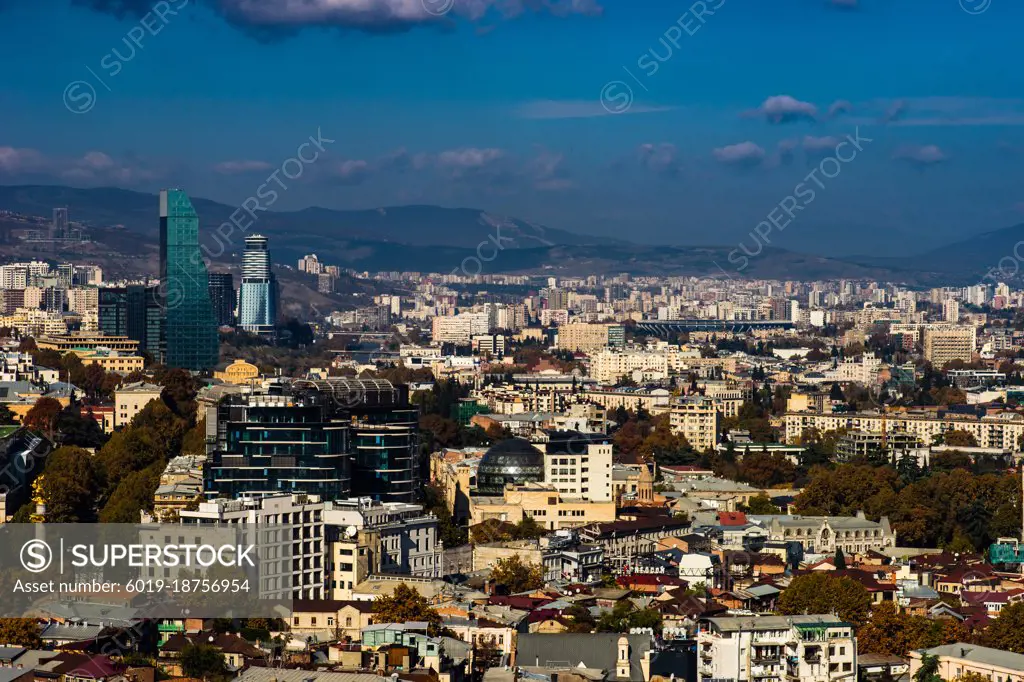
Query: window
[[295, 621], [312, 621], [348, 621]]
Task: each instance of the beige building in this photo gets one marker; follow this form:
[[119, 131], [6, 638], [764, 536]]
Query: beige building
[[238, 373], [696, 418], [131, 398], [544, 504], [955, 660], [945, 344], [656, 400], [580, 471], [113, 361], [485, 555], [87, 341], [992, 431], [335, 618], [587, 338]]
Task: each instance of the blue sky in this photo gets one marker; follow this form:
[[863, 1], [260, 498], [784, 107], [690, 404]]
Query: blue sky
[[497, 104]]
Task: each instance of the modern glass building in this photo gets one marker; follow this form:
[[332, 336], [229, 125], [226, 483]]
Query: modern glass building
[[133, 311], [222, 295], [334, 438], [189, 337], [257, 297], [268, 445]]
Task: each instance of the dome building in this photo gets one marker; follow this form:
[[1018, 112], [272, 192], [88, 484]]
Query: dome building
[[513, 461]]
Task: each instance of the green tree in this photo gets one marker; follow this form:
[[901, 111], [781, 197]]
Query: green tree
[[69, 484], [516, 575], [405, 604], [202, 661], [840, 560], [823, 593], [929, 670], [760, 504], [960, 438], [1007, 631]]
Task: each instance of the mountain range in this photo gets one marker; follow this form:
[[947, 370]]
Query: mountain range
[[437, 239]]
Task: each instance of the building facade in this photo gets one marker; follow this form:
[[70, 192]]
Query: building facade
[[257, 297], [189, 336]]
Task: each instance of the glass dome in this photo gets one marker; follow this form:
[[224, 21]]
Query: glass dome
[[509, 461]]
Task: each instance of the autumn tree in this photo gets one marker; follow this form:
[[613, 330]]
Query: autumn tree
[[516, 575], [43, 416], [823, 593], [403, 605], [23, 632]]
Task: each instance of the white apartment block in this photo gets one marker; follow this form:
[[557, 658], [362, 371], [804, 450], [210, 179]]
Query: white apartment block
[[460, 328], [802, 648], [291, 539], [994, 431], [584, 471]]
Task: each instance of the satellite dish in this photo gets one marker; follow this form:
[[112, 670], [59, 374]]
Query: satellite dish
[[351, 531]]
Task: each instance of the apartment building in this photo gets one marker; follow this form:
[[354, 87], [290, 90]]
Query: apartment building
[[993, 431], [696, 418], [365, 537], [292, 562], [945, 344], [581, 337], [460, 328], [955, 660], [807, 648], [131, 398]]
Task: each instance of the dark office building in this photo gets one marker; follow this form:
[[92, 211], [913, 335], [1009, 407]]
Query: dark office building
[[332, 438], [222, 295], [133, 311], [189, 338]]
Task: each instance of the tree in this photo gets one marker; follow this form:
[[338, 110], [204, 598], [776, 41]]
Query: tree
[[516, 575], [582, 620], [20, 632], [929, 670], [823, 593], [760, 504], [43, 416], [1007, 631], [405, 604], [68, 485], [201, 661], [840, 560], [960, 438]]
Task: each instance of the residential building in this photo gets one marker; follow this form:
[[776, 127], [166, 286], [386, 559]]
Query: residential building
[[945, 344], [131, 398], [808, 648], [588, 338], [956, 660], [696, 418], [826, 534]]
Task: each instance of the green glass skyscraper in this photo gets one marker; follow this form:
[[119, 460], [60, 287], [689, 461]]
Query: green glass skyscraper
[[189, 327]]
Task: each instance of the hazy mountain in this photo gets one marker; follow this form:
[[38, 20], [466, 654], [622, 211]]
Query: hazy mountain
[[432, 238]]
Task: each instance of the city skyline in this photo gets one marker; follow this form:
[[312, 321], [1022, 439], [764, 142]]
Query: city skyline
[[752, 100]]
